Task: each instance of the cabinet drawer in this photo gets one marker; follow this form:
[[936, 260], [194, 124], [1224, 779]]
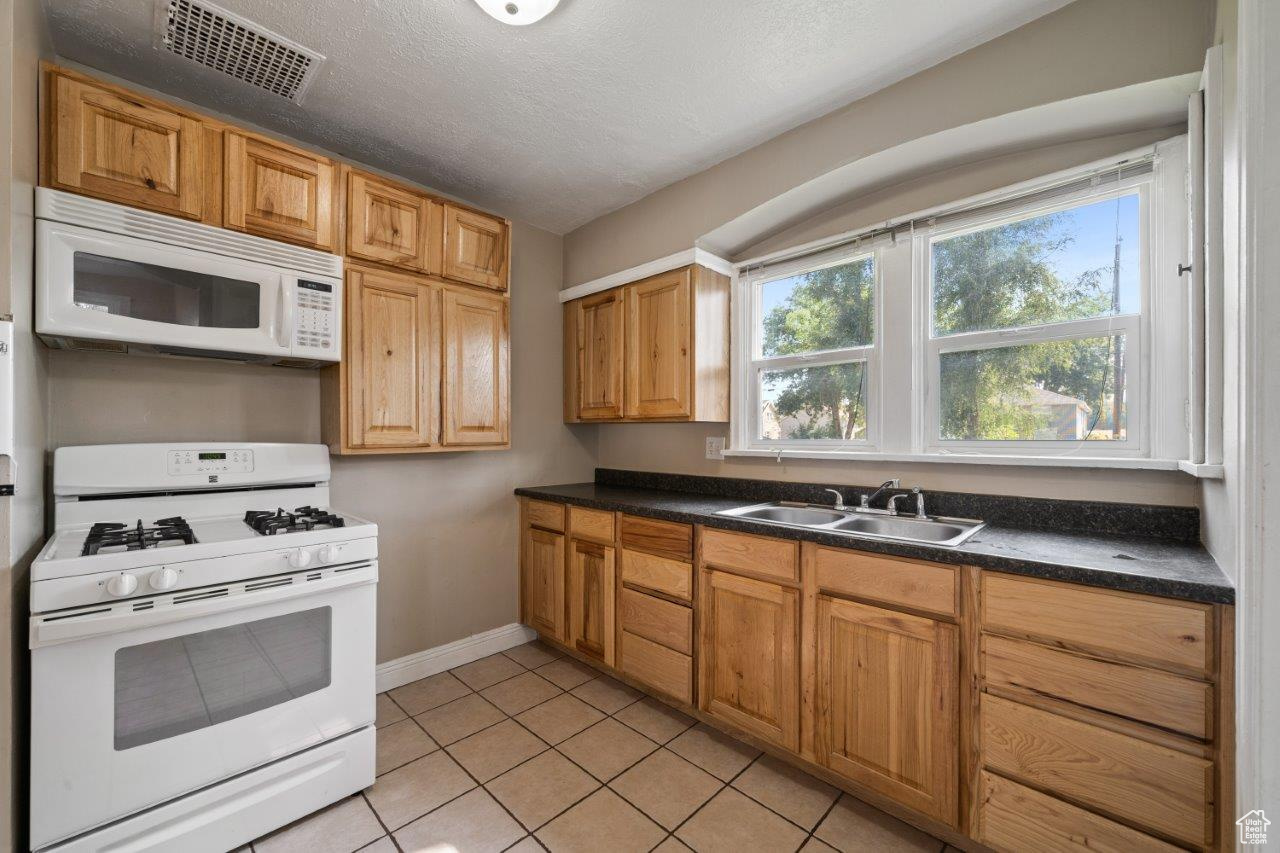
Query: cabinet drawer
[[752, 555], [1150, 785], [1015, 818], [668, 538], [660, 621], [659, 667], [1145, 695], [591, 524], [1129, 627], [909, 583], [658, 573], [544, 514]]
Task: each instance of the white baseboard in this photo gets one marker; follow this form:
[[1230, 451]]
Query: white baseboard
[[400, 671]]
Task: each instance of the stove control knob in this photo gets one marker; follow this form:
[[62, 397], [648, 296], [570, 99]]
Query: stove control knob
[[162, 579], [300, 558], [122, 584], [330, 553]]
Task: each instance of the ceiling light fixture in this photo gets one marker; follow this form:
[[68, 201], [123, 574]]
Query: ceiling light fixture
[[518, 12]]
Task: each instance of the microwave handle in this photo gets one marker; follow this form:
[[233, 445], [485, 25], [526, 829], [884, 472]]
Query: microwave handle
[[283, 315]]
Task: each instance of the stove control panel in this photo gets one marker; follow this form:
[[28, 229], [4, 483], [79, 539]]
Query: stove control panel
[[315, 317], [210, 462]]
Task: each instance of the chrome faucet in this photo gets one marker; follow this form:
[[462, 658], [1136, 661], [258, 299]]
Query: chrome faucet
[[920, 513], [865, 503], [892, 505], [839, 499]]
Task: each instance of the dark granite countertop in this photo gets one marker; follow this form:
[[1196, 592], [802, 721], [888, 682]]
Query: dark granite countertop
[[1156, 566]]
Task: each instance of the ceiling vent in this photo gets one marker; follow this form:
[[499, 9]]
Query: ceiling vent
[[236, 46]]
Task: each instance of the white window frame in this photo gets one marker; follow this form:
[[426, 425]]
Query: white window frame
[[868, 354], [1132, 326], [904, 355]]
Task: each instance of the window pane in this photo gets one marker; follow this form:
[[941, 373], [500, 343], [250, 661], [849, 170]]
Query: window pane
[[1071, 265], [825, 402], [825, 309], [1052, 391]]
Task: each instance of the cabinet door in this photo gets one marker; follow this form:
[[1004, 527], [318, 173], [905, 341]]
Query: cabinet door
[[542, 569], [476, 395], [392, 225], [886, 688], [658, 346], [748, 661], [600, 355], [475, 248], [125, 149], [391, 364], [591, 602], [278, 191]]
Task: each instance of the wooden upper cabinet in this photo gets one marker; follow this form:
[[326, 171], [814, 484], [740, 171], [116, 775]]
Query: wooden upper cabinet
[[112, 144], [476, 395], [658, 347], [475, 247], [277, 191], [393, 225], [391, 362], [749, 657], [887, 690], [591, 603], [600, 355]]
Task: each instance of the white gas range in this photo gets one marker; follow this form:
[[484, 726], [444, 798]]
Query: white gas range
[[202, 647]]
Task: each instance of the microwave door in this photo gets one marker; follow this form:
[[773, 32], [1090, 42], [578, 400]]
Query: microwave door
[[119, 288]]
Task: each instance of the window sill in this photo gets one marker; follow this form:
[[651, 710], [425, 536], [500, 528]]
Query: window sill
[[1200, 471]]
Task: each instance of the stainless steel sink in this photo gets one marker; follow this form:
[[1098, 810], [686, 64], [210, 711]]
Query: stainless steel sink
[[935, 530]]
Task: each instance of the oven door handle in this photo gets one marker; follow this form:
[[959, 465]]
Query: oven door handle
[[119, 618]]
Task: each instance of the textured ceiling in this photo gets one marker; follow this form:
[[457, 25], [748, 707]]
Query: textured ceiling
[[560, 122]]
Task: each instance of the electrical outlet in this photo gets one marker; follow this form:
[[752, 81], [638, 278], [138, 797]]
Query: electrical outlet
[[715, 447]]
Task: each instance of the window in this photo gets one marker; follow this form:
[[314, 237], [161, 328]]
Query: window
[[814, 333], [1036, 321]]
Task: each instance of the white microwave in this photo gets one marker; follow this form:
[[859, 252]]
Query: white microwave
[[112, 278]]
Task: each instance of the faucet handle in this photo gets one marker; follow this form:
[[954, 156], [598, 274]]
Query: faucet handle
[[839, 498]]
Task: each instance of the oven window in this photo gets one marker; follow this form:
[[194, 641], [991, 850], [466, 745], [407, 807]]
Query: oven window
[[183, 684], [164, 294]]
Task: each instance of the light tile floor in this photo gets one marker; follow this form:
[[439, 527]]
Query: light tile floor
[[527, 751]]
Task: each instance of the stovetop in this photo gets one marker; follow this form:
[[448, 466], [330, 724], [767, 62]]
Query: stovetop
[[301, 520], [114, 536]]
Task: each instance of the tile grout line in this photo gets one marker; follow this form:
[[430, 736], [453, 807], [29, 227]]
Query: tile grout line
[[380, 821]]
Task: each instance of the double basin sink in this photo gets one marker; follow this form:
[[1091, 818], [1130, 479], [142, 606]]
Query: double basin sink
[[903, 528]]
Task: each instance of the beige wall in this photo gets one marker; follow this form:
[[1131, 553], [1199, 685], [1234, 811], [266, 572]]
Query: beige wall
[[1088, 46], [447, 522]]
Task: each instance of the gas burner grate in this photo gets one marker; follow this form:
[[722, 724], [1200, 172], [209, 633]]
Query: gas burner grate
[[302, 519], [109, 535]]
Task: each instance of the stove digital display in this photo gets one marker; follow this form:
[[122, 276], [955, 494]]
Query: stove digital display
[[214, 456]]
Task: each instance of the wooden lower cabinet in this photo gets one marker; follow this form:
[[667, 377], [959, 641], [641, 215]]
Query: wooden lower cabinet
[[919, 686], [590, 591], [887, 691], [749, 667], [542, 581]]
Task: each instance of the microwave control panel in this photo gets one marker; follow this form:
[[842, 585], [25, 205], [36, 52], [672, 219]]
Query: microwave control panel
[[210, 462], [316, 319]]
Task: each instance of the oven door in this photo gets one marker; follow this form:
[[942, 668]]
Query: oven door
[[133, 705], [110, 287]]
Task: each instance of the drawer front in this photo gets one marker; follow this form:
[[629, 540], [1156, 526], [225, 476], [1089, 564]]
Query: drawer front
[[751, 555], [658, 573], [908, 583], [1129, 627], [660, 621], [593, 524], [1015, 818], [1150, 785], [667, 538], [1145, 695], [658, 667], [546, 515]]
